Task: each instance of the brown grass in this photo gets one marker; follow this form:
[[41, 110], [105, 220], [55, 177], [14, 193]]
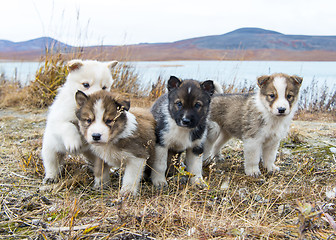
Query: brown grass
[[291, 204]]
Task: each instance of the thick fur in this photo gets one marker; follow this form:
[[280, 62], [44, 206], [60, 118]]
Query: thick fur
[[181, 117], [261, 120], [117, 136], [61, 133]]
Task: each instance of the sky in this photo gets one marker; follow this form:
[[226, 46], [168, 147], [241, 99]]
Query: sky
[[120, 22]]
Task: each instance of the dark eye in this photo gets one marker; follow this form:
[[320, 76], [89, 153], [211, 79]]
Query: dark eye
[[86, 85], [179, 104], [198, 105], [108, 121], [104, 87], [89, 121], [272, 96], [289, 97]]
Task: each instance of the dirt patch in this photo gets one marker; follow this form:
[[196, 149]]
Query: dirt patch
[[297, 202]]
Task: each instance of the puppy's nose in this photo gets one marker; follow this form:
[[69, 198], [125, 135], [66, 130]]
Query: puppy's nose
[[186, 121], [96, 136], [281, 110]]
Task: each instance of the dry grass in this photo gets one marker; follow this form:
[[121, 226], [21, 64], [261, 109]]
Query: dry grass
[[290, 204]]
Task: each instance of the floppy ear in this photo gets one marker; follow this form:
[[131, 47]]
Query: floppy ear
[[208, 86], [123, 104], [81, 98], [74, 65], [297, 79], [262, 80], [173, 82], [112, 64]]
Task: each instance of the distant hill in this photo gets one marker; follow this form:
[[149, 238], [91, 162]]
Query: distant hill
[[38, 44], [256, 38], [241, 44]]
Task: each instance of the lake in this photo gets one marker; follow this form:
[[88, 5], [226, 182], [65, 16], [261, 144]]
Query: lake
[[236, 72]]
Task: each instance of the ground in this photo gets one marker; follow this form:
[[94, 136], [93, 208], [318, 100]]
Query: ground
[[297, 202]]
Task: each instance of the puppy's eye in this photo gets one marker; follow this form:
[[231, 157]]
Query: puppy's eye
[[104, 87], [108, 121], [272, 96], [198, 105], [179, 104], [86, 85], [89, 121], [289, 97]]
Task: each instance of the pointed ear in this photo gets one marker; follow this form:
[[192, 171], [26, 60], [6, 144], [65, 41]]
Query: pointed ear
[[173, 82], [81, 98], [74, 65], [112, 64], [262, 80], [208, 86], [123, 104], [297, 79]]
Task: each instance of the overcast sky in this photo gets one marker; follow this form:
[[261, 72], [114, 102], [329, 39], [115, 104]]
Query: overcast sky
[[117, 22]]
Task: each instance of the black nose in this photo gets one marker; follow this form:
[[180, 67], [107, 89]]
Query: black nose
[[96, 136], [281, 110], [186, 121]]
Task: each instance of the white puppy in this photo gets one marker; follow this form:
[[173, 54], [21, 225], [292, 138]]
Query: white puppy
[[61, 134]]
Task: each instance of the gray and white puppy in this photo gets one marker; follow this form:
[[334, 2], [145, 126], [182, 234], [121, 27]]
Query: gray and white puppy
[[261, 120], [181, 116]]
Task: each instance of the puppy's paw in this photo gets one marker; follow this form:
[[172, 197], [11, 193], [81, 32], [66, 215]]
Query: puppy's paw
[[199, 183], [50, 180], [127, 191], [72, 143], [160, 184], [98, 185], [159, 181], [252, 171], [273, 168]]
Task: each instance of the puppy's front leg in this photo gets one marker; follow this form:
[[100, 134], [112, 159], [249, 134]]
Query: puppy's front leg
[[160, 167], [133, 173], [252, 154], [71, 138], [269, 155], [194, 166]]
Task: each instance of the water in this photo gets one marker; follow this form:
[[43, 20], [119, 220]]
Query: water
[[229, 72], [237, 72]]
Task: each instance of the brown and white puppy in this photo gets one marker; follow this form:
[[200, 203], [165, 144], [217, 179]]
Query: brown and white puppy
[[261, 120], [118, 135]]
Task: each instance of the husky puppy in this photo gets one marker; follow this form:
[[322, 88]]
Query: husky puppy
[[61, 133], [260, 120], [181, 116], [117, 135]]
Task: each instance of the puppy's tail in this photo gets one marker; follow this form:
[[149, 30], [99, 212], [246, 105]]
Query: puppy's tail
[[218, 88]]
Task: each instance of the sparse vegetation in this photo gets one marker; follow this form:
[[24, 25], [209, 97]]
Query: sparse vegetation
[[296, 203], [291, 204]]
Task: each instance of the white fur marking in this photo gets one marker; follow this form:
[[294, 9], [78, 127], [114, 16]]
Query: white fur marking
[[98, 126], [280, 85], [130, 127]]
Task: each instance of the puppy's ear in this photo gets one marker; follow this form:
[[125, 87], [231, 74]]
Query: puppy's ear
[[173, 83], [112, 64], [123, 104], [81, 98], [297, 79], [74, 65], [262, 80], [208, 86]]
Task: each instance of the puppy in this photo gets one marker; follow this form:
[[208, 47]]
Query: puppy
[[61, 133], [260, 120], [117, 136], [181, 116]]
